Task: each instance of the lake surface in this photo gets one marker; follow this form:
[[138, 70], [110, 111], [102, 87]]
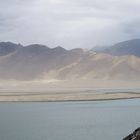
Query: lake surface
[[117, 90], [96, 120]]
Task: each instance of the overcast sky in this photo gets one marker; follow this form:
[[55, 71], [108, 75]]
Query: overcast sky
[[69, 23]]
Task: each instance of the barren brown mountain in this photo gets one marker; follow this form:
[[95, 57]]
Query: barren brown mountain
[[40, 62]]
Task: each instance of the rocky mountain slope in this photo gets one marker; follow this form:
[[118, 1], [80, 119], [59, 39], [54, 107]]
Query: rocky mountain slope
[[41, 62]]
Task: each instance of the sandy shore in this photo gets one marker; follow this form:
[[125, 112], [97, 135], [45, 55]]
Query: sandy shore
[[67, 97], [71, 90]]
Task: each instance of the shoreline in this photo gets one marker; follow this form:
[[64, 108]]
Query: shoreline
[[68, 97]]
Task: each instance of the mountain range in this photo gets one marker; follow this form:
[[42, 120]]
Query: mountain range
[[129, 47], [41, 62]]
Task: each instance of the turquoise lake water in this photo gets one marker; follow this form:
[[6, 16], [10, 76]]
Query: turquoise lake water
[[96, 120]]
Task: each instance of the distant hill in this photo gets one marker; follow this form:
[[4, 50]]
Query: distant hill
[[8, 47], [130, 47], [41, 62]]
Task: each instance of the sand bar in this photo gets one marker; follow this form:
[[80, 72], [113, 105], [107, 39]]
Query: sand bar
[[67, 97]]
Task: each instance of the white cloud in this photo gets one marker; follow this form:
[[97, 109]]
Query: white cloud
[[70, 23]]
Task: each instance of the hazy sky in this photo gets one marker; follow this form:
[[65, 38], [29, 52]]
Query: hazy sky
[[69, 23]]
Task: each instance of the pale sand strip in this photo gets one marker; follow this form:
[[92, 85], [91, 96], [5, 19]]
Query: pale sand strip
[[68, 97]]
